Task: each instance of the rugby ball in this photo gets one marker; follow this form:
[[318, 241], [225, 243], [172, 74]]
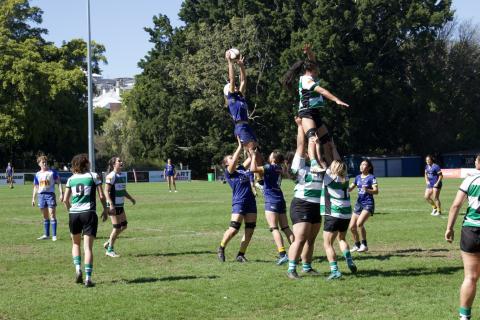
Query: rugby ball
[[234, 53]]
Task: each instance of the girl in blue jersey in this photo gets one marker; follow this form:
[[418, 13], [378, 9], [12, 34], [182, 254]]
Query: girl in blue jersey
[[275, 207], [170, 174], [238, 109], [433, 180], [311, 101], [44, 184], [365, 206], [244, 207], [237, 105], [304, 210], [9, 175]]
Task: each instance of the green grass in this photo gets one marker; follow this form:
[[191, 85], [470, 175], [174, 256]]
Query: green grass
[[168, 268]]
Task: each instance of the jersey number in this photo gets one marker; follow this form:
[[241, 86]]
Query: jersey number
[[80, 189]]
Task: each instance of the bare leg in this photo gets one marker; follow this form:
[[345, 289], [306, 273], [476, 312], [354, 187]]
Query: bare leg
[[285, 228], [247, 236], [436, 197], [471, 267], [272, 220]]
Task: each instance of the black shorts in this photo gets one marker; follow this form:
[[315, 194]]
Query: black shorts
[[333, 224], [86, 222], [470, 240], [304, 211], [313, 114], [118, 211]]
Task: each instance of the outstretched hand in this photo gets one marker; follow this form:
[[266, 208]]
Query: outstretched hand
[[241, 61], [341, 103], [227, 56], [307, 48]]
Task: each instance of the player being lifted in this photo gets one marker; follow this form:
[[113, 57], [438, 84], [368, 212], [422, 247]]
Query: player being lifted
[[244, 207], [80, 200], [116, 192], [238, 107], [311, 101], [44, 184]]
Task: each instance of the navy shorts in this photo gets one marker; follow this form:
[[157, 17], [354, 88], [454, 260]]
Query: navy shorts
[[430, 185], [245, 133], [278, 206], [170, 174], [46, 200], [244, 208], [359, 207], [333, 224]]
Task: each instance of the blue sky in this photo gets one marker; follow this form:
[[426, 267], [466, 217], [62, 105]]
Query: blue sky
[[118, 24]]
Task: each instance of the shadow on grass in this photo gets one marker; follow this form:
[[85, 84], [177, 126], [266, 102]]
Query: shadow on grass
[[170, 278], [411, 252], [173, 254], [410, 272]]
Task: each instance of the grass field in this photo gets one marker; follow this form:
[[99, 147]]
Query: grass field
[[168, 267]]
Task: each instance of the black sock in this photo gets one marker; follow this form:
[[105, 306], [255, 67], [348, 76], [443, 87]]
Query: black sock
[[364, 242], [357, 244], [241, 254]]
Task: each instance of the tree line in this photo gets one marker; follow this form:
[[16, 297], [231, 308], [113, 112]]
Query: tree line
[[408, 70]]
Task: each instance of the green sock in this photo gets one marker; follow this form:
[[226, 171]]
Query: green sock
[[348, 257], [110, 248], [292, 265], [465, 312], [88, 270], [313, 163], [333, 266], [307, 266], [77, 261]]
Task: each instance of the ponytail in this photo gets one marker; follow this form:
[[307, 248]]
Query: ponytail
[[299, 67]]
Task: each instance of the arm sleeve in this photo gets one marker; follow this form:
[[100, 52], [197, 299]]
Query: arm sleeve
[[35, 180], [297, 163], [96, 179], [466, 183]]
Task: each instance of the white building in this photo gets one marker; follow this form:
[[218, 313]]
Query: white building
[[109, 92]]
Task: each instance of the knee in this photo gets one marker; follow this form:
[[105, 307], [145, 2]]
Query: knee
[[353, 228], [471, 278], [286, 229], [124, 225], [234, 227], [250, 227]]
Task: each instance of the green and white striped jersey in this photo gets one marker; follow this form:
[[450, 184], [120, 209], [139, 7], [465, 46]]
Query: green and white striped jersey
[[309, 185], [309, 98], [83, 187], [118, 189], [471, 186], [335, 199]]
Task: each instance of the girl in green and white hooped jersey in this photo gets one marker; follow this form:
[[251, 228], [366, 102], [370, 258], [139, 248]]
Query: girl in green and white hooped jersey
[[116, 191], [470, 237], [336, 208], [80, 200]]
